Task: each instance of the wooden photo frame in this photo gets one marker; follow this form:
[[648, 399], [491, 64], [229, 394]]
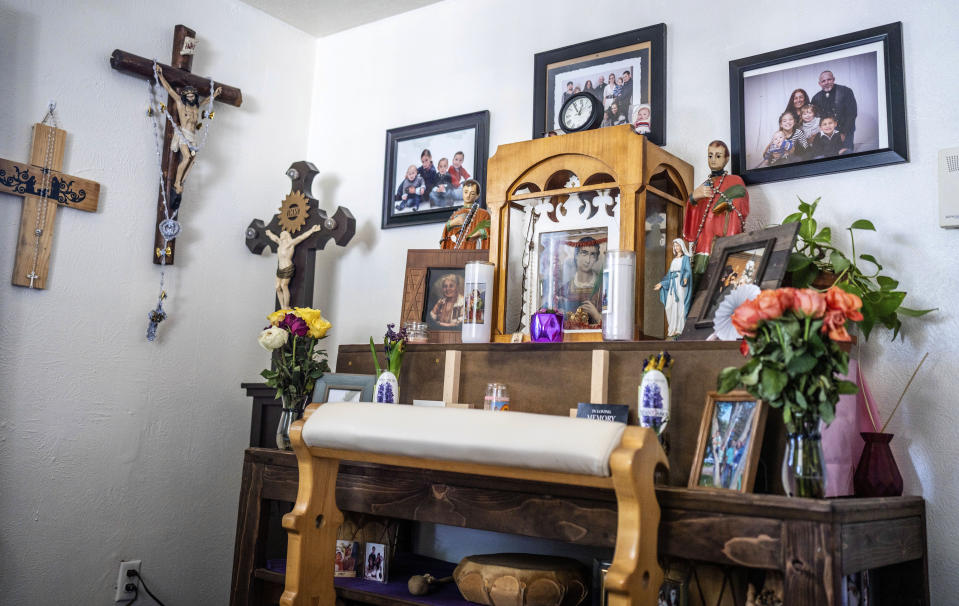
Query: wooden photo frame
[[421, 266], [443, 139], [865, 96], [730, 440], [639, 51], [344, 387], [768, 249]]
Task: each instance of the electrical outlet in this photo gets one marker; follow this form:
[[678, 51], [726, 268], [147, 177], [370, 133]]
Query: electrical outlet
[[123, 580]]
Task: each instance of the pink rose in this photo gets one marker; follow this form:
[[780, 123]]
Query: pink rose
[[835, 325], [746, 318], [808, 302], [768, 305], [846, 302]]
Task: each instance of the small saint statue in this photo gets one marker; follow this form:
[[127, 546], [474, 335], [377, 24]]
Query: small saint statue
[[285, 244], [676, 289], [188, 104], [716, 208], [468, 226]]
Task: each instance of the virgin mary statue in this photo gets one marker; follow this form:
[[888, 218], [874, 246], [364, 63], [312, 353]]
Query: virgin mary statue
[[675, 289]]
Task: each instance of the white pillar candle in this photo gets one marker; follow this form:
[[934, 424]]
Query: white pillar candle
[[619, 302], [478, 279]]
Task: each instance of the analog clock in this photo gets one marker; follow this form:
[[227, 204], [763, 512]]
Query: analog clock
[[582, 111]]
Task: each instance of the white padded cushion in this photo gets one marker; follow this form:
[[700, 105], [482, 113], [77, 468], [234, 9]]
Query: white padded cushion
[[515, 439]]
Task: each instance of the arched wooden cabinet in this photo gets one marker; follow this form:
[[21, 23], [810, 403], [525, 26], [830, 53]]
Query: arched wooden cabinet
[[549, 198]]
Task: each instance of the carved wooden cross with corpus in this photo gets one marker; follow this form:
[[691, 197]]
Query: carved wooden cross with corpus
[[32, 263], [178, 75], [300, 215]]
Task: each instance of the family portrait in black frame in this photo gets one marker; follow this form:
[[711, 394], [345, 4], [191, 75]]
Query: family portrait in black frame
[[828, 106], [426, 165], [637, 56]]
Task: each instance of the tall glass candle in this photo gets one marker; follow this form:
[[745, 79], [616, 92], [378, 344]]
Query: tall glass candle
[[478, 297], [619, 300]]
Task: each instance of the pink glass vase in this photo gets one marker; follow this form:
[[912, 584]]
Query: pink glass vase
[[877, 474]]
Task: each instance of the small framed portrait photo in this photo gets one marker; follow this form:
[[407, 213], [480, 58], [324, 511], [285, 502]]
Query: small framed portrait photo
[[626, 73], [730, 439], [427, 164], [822, 107], [346, 559], [445, 299], [376, 562], [344, 387], [570, 272]]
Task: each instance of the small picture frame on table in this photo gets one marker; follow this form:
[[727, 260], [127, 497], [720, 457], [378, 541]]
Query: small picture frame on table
[[415, 190], [636, 60], [376, 563], [758, 257], [433, 291], [855, 80], [344, 387], [730, 439], [347, 559]]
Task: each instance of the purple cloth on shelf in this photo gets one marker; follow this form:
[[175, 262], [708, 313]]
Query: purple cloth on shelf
[[546, 328], [402, 568]]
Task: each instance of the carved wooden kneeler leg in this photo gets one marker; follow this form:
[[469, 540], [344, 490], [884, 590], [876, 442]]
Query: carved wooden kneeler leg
[[312, 527], [635, 576]]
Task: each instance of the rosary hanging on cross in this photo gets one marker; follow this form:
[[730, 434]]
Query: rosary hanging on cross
[[193, 114]]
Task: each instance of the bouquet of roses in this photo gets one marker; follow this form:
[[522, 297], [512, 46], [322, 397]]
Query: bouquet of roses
[[793, 336], [292, 337]]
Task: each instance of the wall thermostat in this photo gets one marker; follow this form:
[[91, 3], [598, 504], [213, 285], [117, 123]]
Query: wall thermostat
[[949, 187]]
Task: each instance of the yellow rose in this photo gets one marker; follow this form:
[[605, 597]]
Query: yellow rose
[[275, 317], [314, 320]]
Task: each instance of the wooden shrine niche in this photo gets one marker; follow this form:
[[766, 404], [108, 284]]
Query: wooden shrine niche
[[609, 189], [178, 75], [43, 188]]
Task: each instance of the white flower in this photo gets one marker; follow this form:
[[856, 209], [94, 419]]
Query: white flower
[[722, 320], [273, 337]]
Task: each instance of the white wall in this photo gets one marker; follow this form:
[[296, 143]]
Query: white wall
[[468, 56], [112, 447]]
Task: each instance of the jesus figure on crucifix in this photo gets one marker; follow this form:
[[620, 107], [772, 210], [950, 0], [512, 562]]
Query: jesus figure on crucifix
[[285, 243], [188, 106]]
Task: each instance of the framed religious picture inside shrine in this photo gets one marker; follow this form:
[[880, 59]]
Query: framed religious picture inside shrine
[[426, 165], [626, 72], [823, 107]]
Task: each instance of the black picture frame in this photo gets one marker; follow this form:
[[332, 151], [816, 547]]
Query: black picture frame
[[777, 242], [716, 285], [395, 137], [891, 144], [599, 52]]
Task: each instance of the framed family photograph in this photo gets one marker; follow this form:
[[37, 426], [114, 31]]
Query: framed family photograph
[[376, 564], [427, 164], [435, 293], [730, 439], [625, 72], [758, 257], [823, 107], [344, 387]]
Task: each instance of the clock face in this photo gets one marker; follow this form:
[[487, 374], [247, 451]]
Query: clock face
[[578, 112]]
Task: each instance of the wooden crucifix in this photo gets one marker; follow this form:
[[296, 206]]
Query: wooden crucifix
[[178, 75], [43, 188], [296, 233]]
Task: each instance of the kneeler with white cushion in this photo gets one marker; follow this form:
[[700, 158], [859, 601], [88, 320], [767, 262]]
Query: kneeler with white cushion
[[541, 448]]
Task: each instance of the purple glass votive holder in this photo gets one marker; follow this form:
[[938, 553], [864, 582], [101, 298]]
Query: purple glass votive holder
[[546, 327]]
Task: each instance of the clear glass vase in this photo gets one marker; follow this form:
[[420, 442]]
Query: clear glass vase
[[804, 466], [292, 410]]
